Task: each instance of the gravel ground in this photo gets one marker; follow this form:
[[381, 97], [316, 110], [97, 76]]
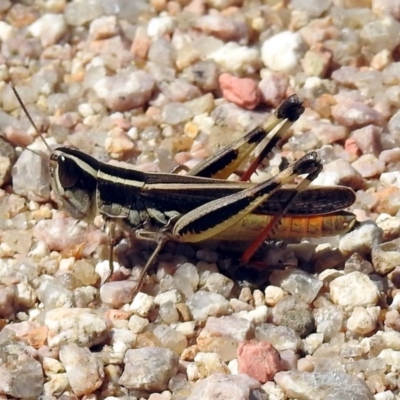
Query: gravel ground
[[157, 84]]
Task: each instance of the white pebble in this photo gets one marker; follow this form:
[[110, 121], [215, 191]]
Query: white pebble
[[142, 304], [49, 28], [159, 26], [282, 52], [6, 31], [235, 58], [363, 320], [361, 239], [390, 179], [354, 289]]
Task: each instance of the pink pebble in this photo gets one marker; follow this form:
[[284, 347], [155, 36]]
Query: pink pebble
[[259, 360], [242, 91]]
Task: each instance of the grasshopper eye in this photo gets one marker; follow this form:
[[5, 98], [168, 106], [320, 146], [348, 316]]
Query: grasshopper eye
[[68, 172]]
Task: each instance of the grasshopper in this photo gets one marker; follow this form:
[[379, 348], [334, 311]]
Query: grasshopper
[[202, 204]]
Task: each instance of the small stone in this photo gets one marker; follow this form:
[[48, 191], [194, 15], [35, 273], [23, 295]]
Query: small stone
[[354, 289], [209, 363], [368, 139], [344, 174], [273, 295], [218, 283], [116, 294], [126, 90], [142, 304], [322, 385], [281, 337], [368, 166], [205, 304], [173, 296], [301, 321], [84, 370], [386, 256], [260, 360], [175, 113], [241, 91], [316, 62], [203, 74], [355, 114], [6, 302], [362, 239], [22, 368], [223, 27], [7, 159], [30, 175], [235, 58], [77, 14], [179, 90], [49, 28], [363, 320], [168, 312], [223, 386], [190, 272], [137, 324], [273, 86], [298, 283], [148, 368], [104, 28], [283, 51], [117, 144], [76, 325], [160, 26], [170, 338]]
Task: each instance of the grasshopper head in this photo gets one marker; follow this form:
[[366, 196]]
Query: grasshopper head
[[73, 180]]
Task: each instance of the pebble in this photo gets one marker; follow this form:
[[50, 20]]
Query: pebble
[[205, 304], [386, 256], [49, 29], [368, 139], [241, 91], [322, 385], [224, 27], [224, 387], [281, 337], [355, 114], [116, 294], [148, 368], [235, 58], [259, 360], [283, 51], [343, 173], [362, 239], [84, 370], [52, 233], [7, 159], [82, 326], [273, 294], [363, 320], [126, 90], [22, 368], [273, 86], [354, 289], [218, 283], [203, 74], [368, 166], [142, 304], [297, 282], [30, 175], [209, 364]]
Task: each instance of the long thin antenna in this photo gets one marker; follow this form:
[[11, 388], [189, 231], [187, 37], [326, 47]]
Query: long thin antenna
[[29, 117]]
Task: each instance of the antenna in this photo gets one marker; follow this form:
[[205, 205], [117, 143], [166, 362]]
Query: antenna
[[29, 117]]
